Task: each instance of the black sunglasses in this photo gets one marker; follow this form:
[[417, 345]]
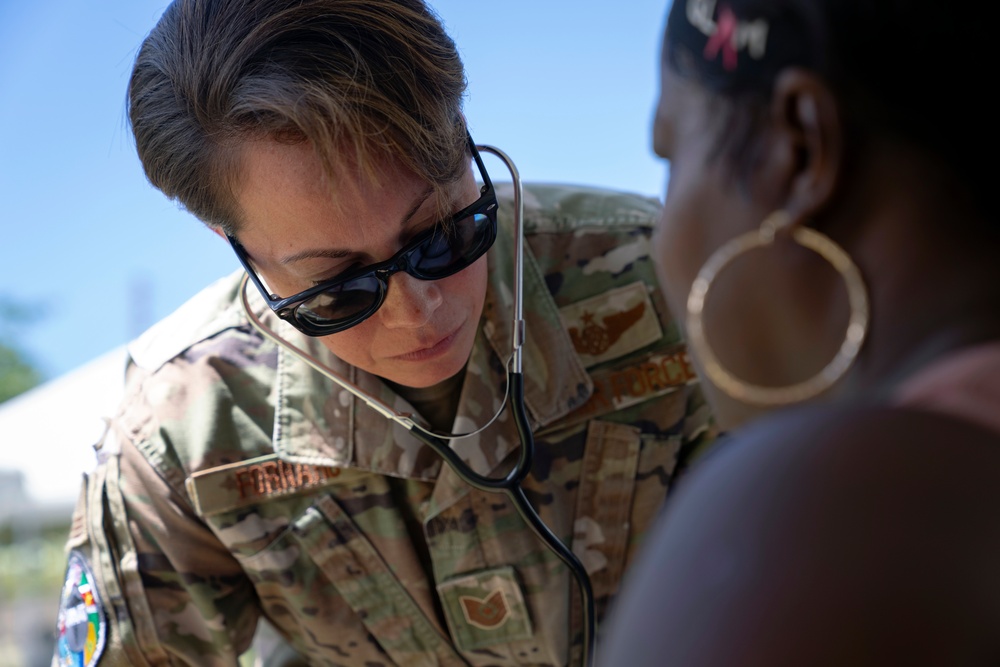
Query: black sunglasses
[[448, 247]]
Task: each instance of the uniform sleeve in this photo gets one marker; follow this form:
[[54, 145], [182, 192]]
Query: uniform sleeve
[[162, 589]]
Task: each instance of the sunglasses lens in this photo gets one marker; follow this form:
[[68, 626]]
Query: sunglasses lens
[[449, 250], [443, 252], [341, 306]]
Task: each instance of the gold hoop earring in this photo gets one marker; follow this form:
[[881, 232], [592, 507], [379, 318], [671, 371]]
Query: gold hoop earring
[[857, 327]]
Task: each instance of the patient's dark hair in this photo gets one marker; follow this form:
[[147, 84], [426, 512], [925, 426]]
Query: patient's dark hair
[[900, 69]]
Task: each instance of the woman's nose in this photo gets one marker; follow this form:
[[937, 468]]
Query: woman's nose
[[409, 302]]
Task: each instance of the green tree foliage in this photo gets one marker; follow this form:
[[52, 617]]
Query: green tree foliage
[[17, 373]]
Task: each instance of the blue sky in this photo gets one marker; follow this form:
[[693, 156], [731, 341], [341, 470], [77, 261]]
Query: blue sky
[[565, 88]]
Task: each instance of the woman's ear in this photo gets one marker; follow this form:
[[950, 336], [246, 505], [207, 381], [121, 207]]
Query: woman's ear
[[805, 115], [218, 231]]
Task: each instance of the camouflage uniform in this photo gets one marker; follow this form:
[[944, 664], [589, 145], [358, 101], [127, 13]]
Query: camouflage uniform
[[236, 482]]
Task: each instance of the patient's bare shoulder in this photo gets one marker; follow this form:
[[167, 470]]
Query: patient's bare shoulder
[[823, 536]]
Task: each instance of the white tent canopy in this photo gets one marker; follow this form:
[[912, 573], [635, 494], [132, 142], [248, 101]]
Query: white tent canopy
[[47, 434]]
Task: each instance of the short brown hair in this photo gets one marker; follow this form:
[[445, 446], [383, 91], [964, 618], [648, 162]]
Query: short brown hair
[[362, 80]]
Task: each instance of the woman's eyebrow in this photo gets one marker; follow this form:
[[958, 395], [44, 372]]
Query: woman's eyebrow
[[340, 253]]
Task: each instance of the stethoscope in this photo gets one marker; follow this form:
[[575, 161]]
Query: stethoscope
[[509, 484]]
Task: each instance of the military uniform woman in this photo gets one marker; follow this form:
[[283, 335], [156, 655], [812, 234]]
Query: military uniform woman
[[325, 140]]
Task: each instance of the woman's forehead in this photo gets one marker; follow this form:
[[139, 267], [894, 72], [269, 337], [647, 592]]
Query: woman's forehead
[[289, 201], [285, 188]]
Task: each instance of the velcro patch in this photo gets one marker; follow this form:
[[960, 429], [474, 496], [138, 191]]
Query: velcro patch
[[612, 324], [249, 482], [81, 626], [485, 608], [648, 377]]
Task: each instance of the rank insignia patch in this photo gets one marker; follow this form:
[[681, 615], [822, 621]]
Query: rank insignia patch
[[81, 628], [486, 614], [485, 608]]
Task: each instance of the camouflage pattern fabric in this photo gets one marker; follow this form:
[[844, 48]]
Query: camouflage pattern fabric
[[237, 484]]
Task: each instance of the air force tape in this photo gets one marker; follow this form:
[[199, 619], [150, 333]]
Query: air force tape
[[81, 628]]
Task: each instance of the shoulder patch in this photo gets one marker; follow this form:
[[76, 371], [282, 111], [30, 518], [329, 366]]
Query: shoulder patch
[[612, 324], [81, 628]]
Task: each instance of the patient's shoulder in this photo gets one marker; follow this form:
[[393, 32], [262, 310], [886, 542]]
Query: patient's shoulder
[[827, 535]]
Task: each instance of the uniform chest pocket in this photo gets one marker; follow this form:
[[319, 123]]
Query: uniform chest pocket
[[322, 579], [623, 482]]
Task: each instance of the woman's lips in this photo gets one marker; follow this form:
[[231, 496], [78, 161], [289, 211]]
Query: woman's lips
[[436, 350]]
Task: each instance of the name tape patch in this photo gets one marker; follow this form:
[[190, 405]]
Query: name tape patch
[[236, 485], [656, 375]]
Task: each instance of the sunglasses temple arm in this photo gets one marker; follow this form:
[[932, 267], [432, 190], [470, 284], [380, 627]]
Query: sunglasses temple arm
[[318, 366], [518, 332]]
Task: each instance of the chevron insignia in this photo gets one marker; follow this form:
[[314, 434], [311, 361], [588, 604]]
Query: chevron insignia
[[488, 613]]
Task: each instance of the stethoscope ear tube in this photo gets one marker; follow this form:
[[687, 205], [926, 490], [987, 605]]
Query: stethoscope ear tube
[[517, 335]]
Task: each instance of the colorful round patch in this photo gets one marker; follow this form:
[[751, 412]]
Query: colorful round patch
[[81, 628]]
